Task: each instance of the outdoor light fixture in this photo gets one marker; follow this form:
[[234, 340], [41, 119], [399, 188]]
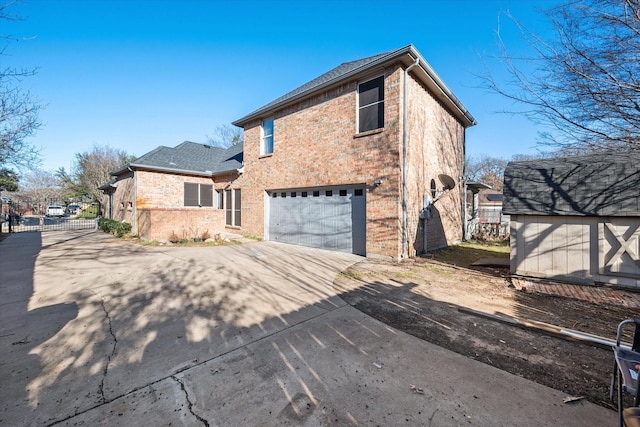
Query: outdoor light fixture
[[377, 183]]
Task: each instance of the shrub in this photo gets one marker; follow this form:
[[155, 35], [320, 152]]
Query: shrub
[[116, 228], [89, 213]]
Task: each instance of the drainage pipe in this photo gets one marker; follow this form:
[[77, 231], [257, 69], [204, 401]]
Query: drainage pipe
[[135, 201], [404, 157]]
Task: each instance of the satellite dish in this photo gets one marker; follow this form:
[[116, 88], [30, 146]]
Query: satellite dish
[[447, 181]]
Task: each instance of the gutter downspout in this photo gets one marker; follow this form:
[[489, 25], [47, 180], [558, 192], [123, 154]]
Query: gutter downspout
[[110, 204], [465, 208], [135, 200], [404, 157]]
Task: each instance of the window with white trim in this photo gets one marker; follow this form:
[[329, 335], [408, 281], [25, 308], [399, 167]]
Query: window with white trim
[[198, 194], [371, 104], [266, 144]]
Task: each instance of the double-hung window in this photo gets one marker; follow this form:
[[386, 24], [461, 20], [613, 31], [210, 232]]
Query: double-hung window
[[198, 194], [266, 145], [371, 104]]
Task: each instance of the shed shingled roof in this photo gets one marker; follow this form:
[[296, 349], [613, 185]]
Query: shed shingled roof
[[190, 158], [595, 185]]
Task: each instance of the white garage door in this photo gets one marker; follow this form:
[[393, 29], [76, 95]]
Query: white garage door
[[327, 218]]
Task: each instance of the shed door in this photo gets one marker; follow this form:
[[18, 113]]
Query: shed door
[[327, 218]]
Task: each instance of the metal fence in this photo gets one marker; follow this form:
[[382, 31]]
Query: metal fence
[[17, 217]]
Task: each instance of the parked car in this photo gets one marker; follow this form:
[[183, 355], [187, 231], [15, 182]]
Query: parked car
[[73, 209], [5, 199], [54, 210]]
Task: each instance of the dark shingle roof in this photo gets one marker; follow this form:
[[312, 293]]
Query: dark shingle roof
[[334, 74], [594, 185], [189, 157], [353, 69]]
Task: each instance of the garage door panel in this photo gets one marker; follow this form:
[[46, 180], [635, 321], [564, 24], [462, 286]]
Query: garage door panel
[[326, 220]]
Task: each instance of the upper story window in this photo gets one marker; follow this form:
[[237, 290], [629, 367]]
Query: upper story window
[[371, 104], [266, 145]]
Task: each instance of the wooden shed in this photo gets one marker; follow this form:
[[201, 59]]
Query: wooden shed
[[576, 219]]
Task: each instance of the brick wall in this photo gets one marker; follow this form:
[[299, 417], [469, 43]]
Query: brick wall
[[158, 205], [180, 223], [436, 146], [164, 190], [122, 199], [315, 144]]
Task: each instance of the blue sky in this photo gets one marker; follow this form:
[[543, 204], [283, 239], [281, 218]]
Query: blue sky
[[134, 75]]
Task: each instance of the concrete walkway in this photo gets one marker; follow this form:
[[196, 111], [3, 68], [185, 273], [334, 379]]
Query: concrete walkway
[[97, 331]]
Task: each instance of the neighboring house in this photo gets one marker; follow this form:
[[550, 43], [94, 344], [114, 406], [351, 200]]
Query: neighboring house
[[576, 219], [489, 218], [177, 193], [484, 212], [347, 162], [490, 206]]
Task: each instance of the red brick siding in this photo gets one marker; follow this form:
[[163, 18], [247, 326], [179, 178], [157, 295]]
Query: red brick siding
[[181, 223], [164, 190], [315, 144], [159, 205], [123, 199], [435, 146]]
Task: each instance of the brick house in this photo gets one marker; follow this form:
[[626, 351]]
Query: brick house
[[177, 193], [349, 160], [326, 165], [576, 219]]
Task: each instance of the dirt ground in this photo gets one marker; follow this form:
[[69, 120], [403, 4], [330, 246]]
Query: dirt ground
[[430, 297]]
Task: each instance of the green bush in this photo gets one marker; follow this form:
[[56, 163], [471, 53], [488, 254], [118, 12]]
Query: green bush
[[89, 213], [116, 228]]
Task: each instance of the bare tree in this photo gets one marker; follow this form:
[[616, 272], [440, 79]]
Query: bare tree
[[226, 136], [486, 169], [92, 169], [39, 188], [585, 83], [18, 109]]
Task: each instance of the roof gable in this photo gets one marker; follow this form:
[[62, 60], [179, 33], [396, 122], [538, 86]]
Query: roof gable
[[350, 70], [595, 185], [190, 158]]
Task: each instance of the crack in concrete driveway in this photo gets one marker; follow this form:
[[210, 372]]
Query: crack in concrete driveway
[[189, 403], [109, 356], [252, 340]]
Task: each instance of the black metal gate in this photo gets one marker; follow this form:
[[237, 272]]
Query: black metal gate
[[18, 217]]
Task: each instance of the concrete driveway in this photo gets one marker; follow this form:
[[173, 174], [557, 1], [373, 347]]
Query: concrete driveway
[[98, 331]]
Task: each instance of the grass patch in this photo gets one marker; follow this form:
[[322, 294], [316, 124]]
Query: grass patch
[[412, 273], [148, 242], [209, 242], [249, 236], [472, 251], [440, 271], [352, 275]]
